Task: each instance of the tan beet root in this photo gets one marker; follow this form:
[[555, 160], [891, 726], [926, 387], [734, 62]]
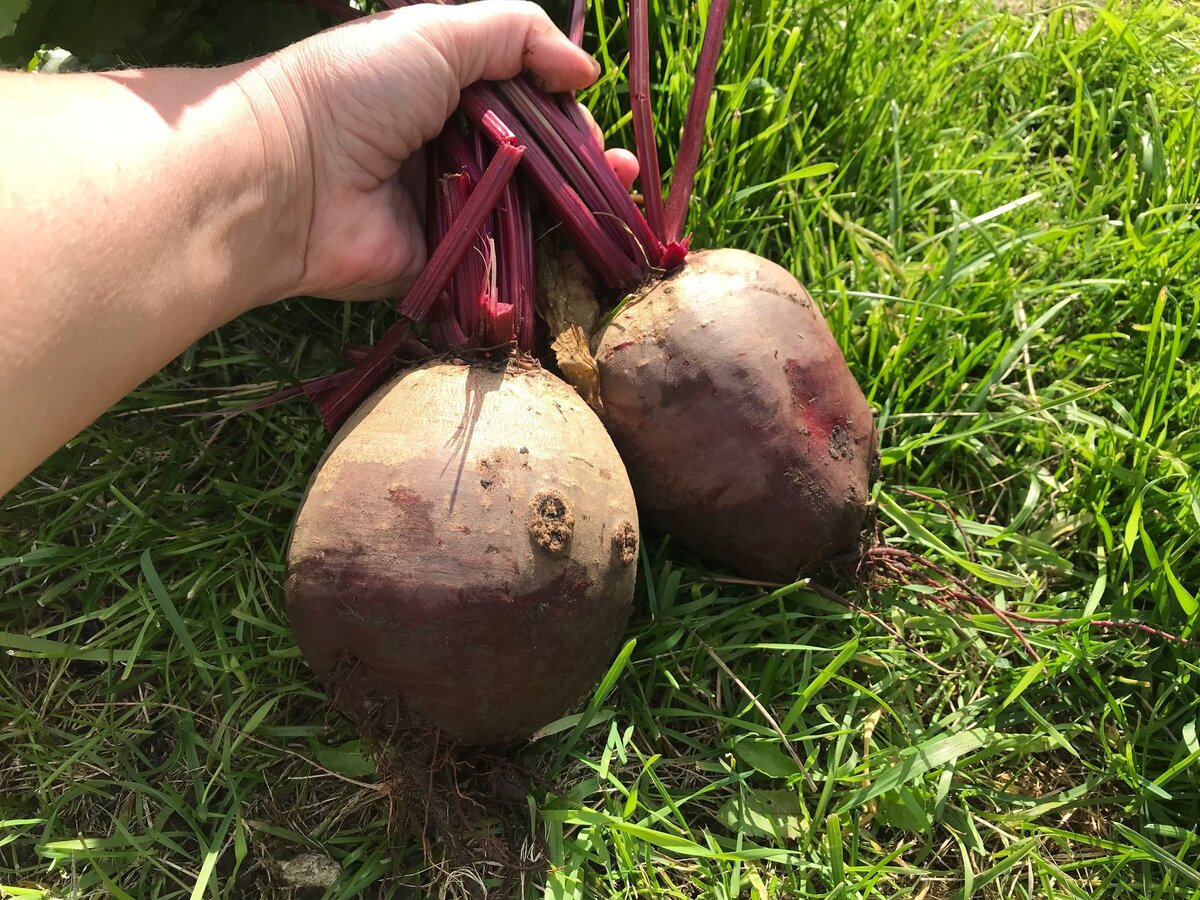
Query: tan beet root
[[467, 547], [745, 435]]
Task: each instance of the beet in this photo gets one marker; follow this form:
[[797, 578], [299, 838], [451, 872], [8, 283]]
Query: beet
[[745, 435], [467, 547]]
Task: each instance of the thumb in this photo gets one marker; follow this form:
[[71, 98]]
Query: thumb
[[497, 39]]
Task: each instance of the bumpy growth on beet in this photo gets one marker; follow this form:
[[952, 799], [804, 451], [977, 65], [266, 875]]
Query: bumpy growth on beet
[[467, 548], [743, 430]]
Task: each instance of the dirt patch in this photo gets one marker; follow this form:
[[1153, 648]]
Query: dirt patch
[[1044, 777], [466, 805], [840, 446], [490, 470], [803, 478], [625, 543], [552, 522]]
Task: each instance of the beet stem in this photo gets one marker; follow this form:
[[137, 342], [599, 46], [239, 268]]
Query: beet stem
[[359, 381], [508, 235], [329, 391], [683, 179], [463, 157], [607, 259], [496, 324], [643, 116], [441, 213], [527, 324], [355, 353], [450, 251], [445, 332], [495, 128], [578, 15], [460, 152], [467, 280], [626, 209], [590, 174], [515, 256]]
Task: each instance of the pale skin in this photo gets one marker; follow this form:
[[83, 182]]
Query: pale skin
[[141, 210]]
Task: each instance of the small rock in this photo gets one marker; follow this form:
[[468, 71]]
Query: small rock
[[309, 870]]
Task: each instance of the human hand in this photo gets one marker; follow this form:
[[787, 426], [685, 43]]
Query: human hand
[[351, 107]]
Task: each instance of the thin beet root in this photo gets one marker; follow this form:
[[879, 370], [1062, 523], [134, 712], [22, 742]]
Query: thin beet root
[[466, 805], [744, 432], [463, 549]]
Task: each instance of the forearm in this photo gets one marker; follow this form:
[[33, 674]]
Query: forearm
[[140, 210], [137, 212]]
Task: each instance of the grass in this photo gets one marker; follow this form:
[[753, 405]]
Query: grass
[[1001, 226]]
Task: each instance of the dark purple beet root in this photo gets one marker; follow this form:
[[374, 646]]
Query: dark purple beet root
[[466, 547], [745, 435]]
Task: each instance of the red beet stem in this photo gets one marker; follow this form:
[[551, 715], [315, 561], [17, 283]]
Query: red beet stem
[[468, 276], [344, 395], [515, 261], [446, 332], [331, 391], [339, 394], [578, 15], [449, 252], [607, 259], [355, 353], [504, 327], [459, 151], [630, 216], [493, 328], [508, 245], [683, 179], [437, 226], [526, 310], [436, 218], [567, 145], [494, 127], [509, 275], [463, 161], [643, 117]]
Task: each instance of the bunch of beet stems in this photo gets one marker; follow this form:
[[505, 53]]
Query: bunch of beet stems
[[477, 290]]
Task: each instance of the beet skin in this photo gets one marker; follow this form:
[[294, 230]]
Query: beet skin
[[468, 547], [745, 435]]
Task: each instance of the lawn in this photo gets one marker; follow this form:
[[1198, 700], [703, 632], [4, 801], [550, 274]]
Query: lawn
[[1002, 231]]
